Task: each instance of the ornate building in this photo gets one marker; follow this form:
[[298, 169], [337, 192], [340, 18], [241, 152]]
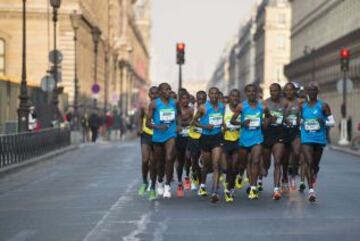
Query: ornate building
[[122, 51], [320, 29]]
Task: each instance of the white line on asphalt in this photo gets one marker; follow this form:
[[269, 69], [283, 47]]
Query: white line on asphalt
[[160, 230], [99, 229], [140, 228]]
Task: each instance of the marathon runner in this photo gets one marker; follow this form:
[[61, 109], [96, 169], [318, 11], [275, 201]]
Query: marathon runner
[[146, 147], [316, 116], [251, 138], [163, 112], [210, 117]]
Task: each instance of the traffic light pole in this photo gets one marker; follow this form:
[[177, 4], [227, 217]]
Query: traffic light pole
[[180, 77], [343, 130]]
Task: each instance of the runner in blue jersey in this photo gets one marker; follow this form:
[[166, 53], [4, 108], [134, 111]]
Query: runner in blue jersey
[[316, 117], [163, 113], [251, 137], [210, 117]]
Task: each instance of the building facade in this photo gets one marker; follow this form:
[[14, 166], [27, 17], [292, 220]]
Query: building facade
[[320, 29], [122, 53], [272, 43]]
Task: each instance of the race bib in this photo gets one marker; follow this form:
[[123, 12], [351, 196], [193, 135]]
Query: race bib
[[255, 121], [167, 115], [279, 117], [216, 119], [292, 119], [230, 126], [185, 131], [312, 125]]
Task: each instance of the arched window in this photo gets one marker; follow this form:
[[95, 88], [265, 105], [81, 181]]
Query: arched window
[[2, 56]]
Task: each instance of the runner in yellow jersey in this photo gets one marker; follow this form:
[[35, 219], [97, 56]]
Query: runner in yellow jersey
[[194, 144], [231, 144], [146, 146]]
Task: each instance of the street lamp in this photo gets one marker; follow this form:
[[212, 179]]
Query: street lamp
[[55, 5], [106, 89], [23, 111], [96, 33], [75, 22]]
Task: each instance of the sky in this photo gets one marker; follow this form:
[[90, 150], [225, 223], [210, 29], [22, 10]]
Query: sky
[[205, 26]]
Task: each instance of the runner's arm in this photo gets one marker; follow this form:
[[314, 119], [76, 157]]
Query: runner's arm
[[236, 114], [330, 121]]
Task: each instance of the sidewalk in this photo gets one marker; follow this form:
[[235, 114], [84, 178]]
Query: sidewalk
[[345, 150]]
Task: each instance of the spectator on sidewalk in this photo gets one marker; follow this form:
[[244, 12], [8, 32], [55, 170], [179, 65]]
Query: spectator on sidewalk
[[32, 119], [85, 127], [94, 123], [109, 122], [117, 124]]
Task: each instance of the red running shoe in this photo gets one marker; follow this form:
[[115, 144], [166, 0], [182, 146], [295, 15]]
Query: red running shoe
[[180, 191], [187, 184]]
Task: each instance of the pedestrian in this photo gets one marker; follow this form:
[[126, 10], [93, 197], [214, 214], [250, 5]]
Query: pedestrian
[[109, 122], [94, 123], [85, 127], [32, 119]]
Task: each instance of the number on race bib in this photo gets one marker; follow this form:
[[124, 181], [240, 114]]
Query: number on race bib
[[312, 125], [215, 120], [167, 115]]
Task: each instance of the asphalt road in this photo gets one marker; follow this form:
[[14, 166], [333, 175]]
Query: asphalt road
[[91, 194]]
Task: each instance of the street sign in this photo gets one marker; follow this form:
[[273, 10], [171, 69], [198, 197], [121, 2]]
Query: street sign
[[59, 56], [95, 88], [349, 86], [47, 83]]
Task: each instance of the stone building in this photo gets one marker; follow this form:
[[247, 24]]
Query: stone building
[[320, 29], [272, 42], [123, 51]]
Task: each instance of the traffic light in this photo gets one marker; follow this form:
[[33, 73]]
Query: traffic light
[[345, 59], [180, 53]]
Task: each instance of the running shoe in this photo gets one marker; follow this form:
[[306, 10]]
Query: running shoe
[[187, 184], [202, 192], [260, 187], [195, 180], [277, 194], [228, 197], [167, 191], [152, 195], [247, 180], [160, 189], [180, 191], [238, 182], [194, 187], [293, 183], [214, 198], [311, 195], [248, 190], [302, 187], [253, 194], [142, 189], [222, 178]]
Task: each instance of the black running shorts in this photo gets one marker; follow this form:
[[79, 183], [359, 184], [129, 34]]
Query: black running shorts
[[273, 135], [208, 143]]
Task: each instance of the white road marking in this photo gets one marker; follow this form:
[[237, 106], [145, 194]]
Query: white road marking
[[100, 229], [141, 226], [23, 235]]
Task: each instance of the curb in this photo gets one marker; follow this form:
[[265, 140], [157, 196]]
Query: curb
[[13, 168], [345, 150]]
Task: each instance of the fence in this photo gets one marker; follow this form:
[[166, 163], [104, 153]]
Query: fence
[[16, 148]]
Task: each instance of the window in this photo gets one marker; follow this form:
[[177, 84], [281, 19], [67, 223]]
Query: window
[[2, 57]]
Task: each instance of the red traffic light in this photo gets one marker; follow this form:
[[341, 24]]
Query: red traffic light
[[180, 46], [345, 53]]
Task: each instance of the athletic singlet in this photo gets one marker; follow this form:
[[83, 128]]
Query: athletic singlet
[[146, 129], [312, 131], [164, 114], [292, 112], [277, 110], [213, 117], [195, 132], [233, 131], [251, 135], [184, 131]]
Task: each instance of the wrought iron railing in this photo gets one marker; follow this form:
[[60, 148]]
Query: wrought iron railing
[[16, 148]]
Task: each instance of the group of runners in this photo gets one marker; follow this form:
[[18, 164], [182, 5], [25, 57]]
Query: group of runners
[[232, 139]]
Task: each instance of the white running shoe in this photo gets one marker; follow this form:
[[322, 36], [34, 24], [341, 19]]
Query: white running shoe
[[193, 186], [167, 191], [160, 189]]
